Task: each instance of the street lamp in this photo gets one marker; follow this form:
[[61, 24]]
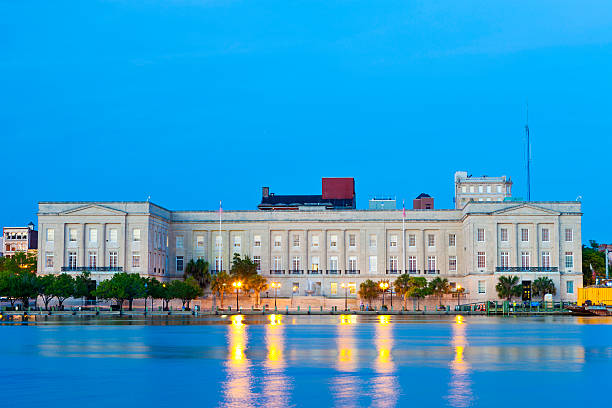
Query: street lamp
[[165, 308], [237, 285], [459, 291], [383, 286], [345, 286], [293, 290], [275, 286]]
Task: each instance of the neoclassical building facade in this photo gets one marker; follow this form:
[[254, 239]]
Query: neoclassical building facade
[[322, 252]]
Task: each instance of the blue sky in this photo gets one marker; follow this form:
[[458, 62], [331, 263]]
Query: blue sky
[[192, 101]]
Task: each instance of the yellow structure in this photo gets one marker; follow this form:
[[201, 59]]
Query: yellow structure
[[598, 296]]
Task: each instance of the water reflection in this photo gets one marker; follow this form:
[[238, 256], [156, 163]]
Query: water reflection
[[345, 386], [460, 393], [385, 385], [237, 389], [276, 385]]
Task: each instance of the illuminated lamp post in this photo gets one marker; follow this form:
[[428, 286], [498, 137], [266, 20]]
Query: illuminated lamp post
[[237, 285]]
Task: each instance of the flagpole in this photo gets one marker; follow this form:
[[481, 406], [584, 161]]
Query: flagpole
[[220, 239], [403, 236]]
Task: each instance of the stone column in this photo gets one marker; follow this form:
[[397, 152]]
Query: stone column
[[83, 246], [102, 254]]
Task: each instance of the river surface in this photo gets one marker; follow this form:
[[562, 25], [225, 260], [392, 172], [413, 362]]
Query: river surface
[[285, 361]]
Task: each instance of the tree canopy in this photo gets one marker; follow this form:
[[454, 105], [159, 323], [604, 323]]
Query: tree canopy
[[369, 290], [508, 287]]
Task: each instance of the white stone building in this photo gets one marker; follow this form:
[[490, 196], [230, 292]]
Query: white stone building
[[318, 250], [484, 188]]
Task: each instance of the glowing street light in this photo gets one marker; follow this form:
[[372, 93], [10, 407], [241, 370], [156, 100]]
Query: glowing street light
[[276, 286], [383, 286], [345, 286], [237, 285]]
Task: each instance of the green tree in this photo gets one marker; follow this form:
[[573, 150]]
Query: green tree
[[121, 287], [186, 290], [221, 283], [369, 290], [45, 288], [439, 287], [24, 262], [83, 285], [411, 287], [63, 288], [593, 263], [27, 287], [199, 271], [243, 268], [543, 285], [507, 287]]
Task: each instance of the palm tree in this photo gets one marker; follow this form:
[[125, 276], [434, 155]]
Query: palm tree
[[508, 286], [403, 285], [369, 290], [439, 287], [542, 286], [199, 271], [258, 284], [221, 283]]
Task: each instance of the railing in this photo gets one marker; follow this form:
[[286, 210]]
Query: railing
[[394, 271], [413, 271], [277, 271], [315, 272], [94, 269], [351, 272], [431, 272], [296, 271], [333, 272], [527, 269]]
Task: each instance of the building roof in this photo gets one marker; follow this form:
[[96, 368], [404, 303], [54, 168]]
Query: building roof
[[423, 195], [291, 201]]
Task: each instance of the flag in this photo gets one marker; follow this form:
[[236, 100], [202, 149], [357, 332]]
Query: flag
[[404, 209], [220, 207]]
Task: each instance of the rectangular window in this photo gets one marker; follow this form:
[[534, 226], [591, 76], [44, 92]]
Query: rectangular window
[[179, 241], [569, 260], [570, 286], [480, 189], [352, 264], [504, 235], [372, 241], [295, 263], [524, 235], [334, 288], [431, 263], [50, 234], [464, 189], [352, 288], [277, 263], [505, 259], [93, 235], [218, 263], [315, 241], [488, 189], [393, 263], [545, 235], [135, 259], [257, 241], [179, 263], [482, 286], [136, 234], [480, 235], [372, 264], [352, 241], [296, 240], [93, 259], [314, 263], [472, 189], [525, 261], [113, 258], [72, 259], [113, 235], [237, 243], [452, 240], [569, 235], [452, 263], [199, 241], [218, 242], [257, 261], [481, 260], [412, 263], [411, 240], [277, 241], [49, 259], [499, 189], [72, 234], [333, 241], [431, 240], [546, 259], [393, 241], [333, 263]]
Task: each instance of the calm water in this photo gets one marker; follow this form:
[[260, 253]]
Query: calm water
[[351, 361]]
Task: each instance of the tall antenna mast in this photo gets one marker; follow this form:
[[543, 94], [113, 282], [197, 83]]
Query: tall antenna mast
[[528, 156]]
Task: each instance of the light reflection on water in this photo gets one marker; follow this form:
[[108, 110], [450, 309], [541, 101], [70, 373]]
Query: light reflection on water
[[343, 361]]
